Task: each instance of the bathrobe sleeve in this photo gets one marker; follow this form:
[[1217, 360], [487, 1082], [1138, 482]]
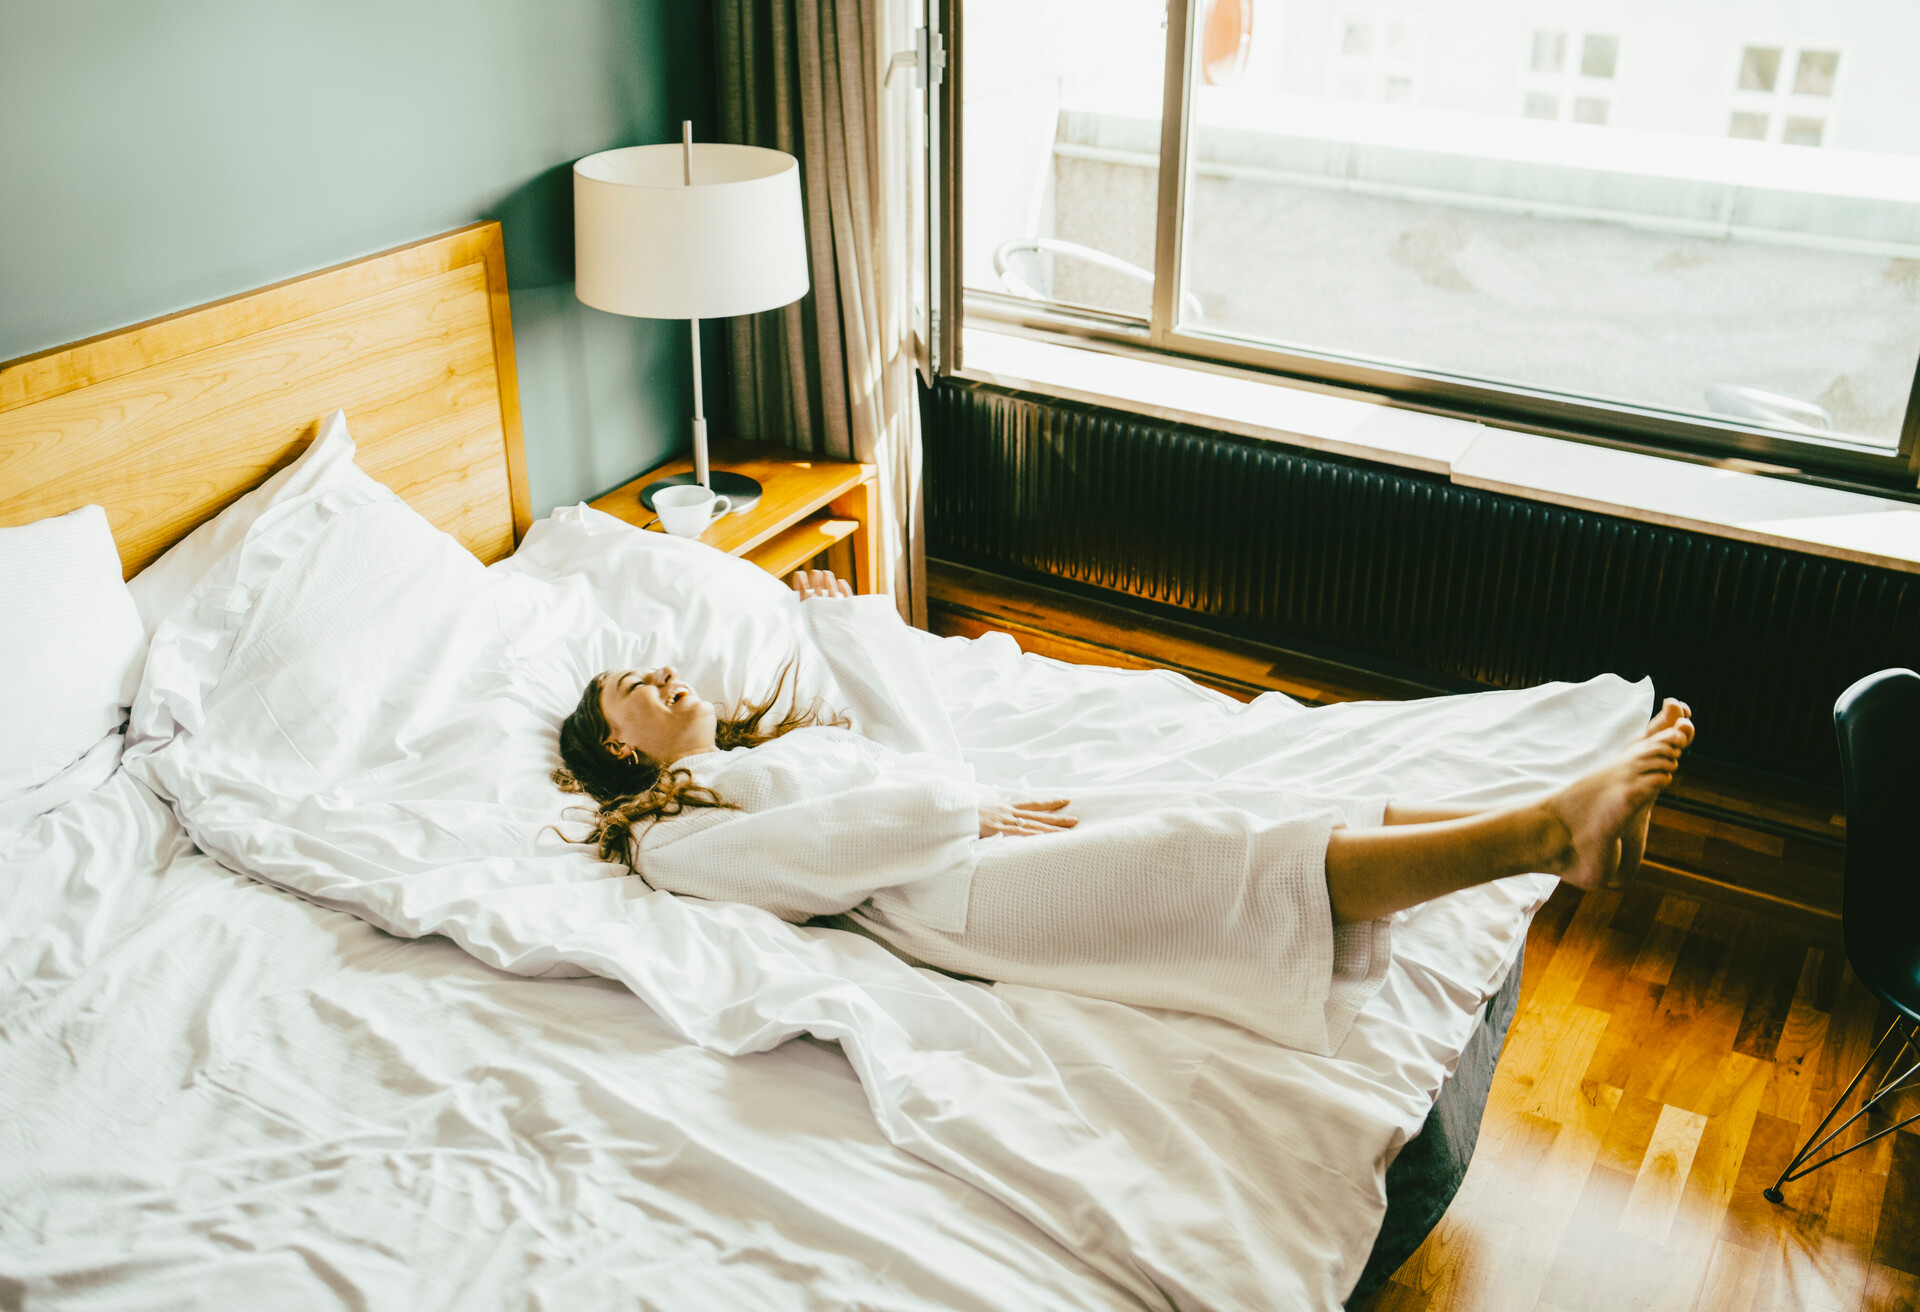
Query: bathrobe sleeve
[[886, 687], [822, 826]]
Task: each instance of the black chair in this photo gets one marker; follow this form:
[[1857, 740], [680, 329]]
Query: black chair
[[1878, 720]]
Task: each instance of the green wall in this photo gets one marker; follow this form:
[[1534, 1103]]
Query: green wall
[[154, 155]]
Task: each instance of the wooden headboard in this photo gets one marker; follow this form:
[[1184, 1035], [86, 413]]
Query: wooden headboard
[[164, 423]]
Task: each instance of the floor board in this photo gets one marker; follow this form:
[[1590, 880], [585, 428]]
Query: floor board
[[1666, 1060]]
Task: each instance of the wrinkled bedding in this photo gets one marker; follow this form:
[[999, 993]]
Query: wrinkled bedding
[[350, 708], [214, 1095]]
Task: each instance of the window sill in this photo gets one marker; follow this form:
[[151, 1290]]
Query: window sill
[[1723, 502]]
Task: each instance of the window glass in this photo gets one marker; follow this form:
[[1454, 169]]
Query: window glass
[[1598, 55], [1549, 51], [1803, 131], [1814, 77], [1672, 212], [1759, 67], [1060, 137]]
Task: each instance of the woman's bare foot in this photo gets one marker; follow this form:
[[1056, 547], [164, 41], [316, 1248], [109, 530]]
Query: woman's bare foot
[[1633, 840], [1601, 812]]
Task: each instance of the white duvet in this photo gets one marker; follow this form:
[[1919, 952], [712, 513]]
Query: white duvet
[[353, 709], [217, 1096]]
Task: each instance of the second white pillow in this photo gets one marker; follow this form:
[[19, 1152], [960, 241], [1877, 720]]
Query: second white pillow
[[71, 645]]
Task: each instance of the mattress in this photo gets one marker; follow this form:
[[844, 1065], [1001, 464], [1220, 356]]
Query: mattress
[[215, 1094], [425, 1053]]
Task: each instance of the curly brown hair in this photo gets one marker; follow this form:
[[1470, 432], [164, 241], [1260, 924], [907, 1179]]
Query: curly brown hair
[[634, 792]]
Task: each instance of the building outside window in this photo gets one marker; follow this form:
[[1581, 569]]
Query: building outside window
[[1412, 199]]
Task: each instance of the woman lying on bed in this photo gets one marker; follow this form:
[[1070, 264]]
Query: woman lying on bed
[[1253, 906]]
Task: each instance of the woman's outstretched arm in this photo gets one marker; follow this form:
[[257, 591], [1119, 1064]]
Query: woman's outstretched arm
[[799, 853]]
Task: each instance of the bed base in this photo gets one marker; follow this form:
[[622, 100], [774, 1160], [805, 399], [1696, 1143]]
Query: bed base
[[1427, 1174]]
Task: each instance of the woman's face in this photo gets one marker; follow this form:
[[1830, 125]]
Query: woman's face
[[656, 715]]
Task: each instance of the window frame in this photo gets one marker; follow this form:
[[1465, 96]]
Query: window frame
[[1830, 461]]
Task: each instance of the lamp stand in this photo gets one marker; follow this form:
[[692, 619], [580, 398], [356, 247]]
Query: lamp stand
[[741, 492]]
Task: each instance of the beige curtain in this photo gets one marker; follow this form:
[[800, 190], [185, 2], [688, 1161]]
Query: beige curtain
[[833, 373]]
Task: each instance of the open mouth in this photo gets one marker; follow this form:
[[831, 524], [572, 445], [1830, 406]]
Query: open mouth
[[678, 693]]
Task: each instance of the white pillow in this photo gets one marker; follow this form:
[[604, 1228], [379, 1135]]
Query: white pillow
[[162, 586], [726, 626], [71, 645]]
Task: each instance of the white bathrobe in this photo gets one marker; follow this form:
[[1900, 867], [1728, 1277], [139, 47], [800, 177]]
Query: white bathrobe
[[1213, 903]]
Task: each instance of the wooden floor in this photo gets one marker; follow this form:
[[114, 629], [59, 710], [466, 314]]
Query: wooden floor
[[1667, 1059]]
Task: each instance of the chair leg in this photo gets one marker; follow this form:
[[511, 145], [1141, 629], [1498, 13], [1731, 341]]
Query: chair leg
[[1890, 1084]]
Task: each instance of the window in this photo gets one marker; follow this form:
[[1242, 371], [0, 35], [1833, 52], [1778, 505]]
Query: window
[[1658, 233], [1569, 75], [1377, 57], [1759, 68], [1815, 73], [1803, 131], [1549, 52], [1598, 55], [1061, 133], [1784, 92]]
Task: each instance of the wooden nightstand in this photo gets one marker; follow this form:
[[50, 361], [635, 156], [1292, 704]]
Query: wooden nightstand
[[809, 506]]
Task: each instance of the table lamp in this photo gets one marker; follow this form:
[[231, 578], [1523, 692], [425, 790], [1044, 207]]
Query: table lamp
[[670, 232]]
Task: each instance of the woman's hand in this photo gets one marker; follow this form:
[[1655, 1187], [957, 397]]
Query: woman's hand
[[1020, 819], [811, 583]]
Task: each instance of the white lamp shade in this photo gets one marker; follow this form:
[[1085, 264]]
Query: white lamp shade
[[646, 244]]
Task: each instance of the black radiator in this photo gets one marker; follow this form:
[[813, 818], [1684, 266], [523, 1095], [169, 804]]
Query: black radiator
[[1409, 573]]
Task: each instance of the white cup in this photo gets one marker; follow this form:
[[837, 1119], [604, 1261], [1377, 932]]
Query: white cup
[[687, 509]]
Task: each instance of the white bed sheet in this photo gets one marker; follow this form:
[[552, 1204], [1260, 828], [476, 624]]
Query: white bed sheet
[[1186, 1162], [213, 1094]]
